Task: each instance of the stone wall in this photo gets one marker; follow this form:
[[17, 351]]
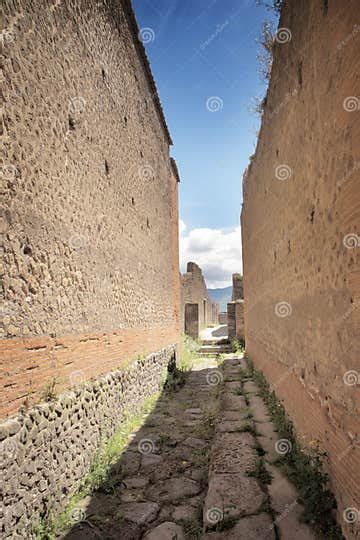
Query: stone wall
[[223, 318], [238, 290], [194, 291], [46, 451], [235, 319], [90, 226], [300, 232]]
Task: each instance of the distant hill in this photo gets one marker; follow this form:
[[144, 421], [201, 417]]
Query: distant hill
[[222, 296]]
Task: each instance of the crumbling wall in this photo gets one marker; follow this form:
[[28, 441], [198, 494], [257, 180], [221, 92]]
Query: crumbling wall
[[194, 291], [90, 226], [235, 319], [300, 233], [238, 290]]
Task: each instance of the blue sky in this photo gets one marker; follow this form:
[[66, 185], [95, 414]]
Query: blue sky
[[202, 49]]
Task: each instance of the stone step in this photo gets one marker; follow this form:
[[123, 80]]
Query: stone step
[[216, 349]]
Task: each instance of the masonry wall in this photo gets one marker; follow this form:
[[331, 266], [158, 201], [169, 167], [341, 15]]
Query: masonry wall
[[194, 291], [238, 289], [47, 450], [90, 271], [301, 243]]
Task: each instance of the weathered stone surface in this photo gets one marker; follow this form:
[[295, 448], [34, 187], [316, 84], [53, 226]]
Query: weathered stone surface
[[166, 531], [232, 402], [140, 512], [284, 500], [258, 527], [234, 493], [233, 453], [193, 442], [173, 489], [184, 512]]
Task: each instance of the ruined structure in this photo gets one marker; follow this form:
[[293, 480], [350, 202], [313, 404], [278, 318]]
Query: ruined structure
[[238, 290], [235, 309], [194, 291], [300, 232], [91, 270]]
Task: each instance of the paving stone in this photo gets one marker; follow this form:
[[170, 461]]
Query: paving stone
[[166, 531], [258, 527], [232, 402], [130, 462], [184, 512], [234, 493], [230, 426], [137, 482], [284, 500], [195, 443], [173, 489], [233, 453], [151, 461], [140, 512], [251, 387], [258, 408], [193, 411]]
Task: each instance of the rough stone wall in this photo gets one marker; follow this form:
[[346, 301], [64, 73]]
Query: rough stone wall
[[194, 291], [300, 233], [235, 319], [238, 291], [223, 318], [46, 451], [90, 271]]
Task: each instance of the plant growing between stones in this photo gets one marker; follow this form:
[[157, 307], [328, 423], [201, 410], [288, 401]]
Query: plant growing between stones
[[303, 467], [98, 477]]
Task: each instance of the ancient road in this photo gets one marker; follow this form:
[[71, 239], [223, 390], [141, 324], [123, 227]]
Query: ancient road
[[195, 469]]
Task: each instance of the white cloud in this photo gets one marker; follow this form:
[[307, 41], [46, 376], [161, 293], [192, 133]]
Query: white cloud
[[216, 251]]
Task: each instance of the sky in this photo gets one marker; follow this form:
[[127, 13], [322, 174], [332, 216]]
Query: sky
[[203, 55]]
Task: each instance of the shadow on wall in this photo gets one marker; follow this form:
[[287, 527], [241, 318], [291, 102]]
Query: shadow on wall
[[160, 466]]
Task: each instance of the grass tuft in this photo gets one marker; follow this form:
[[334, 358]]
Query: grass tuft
[[305, 468]]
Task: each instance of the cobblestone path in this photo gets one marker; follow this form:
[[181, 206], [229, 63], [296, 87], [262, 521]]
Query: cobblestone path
[[195, 469]]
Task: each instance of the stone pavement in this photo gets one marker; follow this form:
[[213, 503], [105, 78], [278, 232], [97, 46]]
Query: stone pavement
[[202, 466]]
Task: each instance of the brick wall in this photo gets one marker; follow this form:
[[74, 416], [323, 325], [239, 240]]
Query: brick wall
[[301, 244], [90, 225]]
